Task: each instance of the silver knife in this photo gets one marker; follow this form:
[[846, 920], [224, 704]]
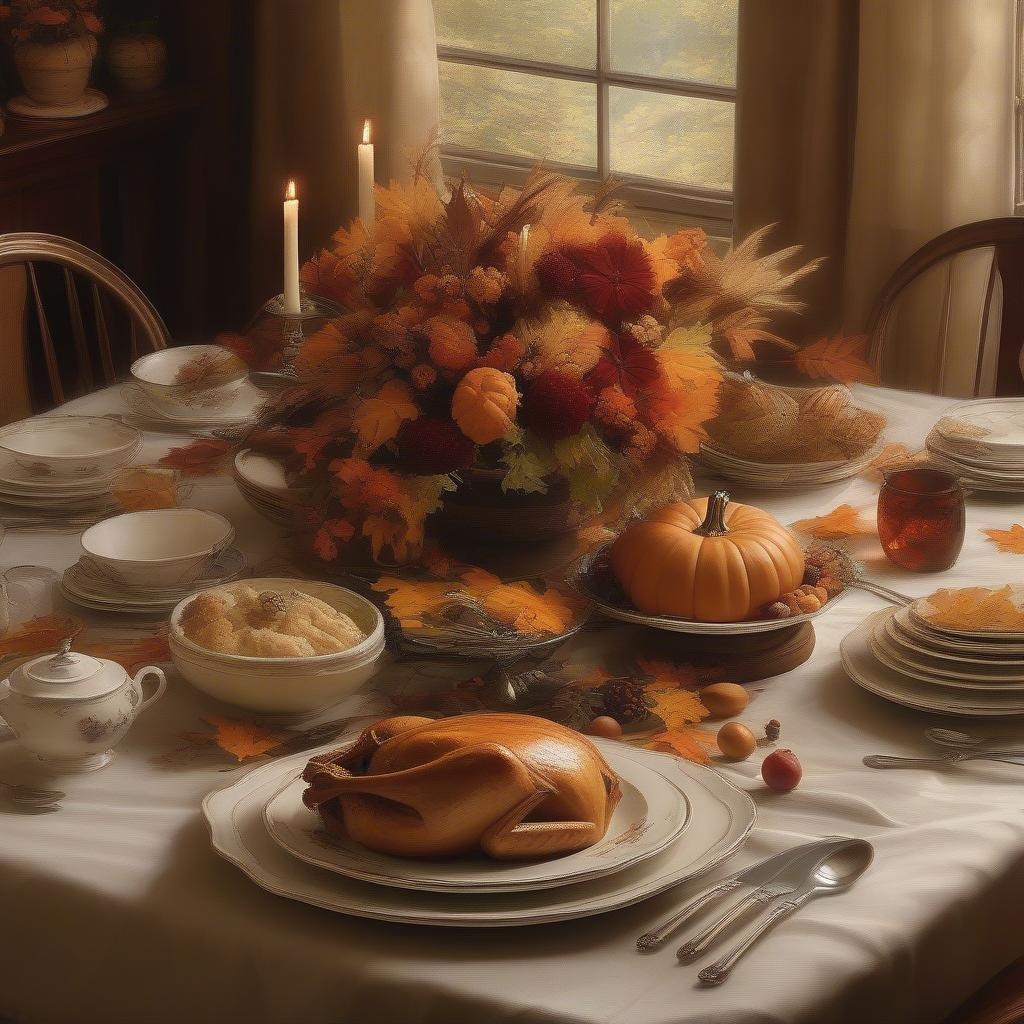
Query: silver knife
[[793, 874], [757, 874]]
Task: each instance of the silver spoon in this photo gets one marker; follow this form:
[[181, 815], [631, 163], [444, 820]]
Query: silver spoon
[[836, 872], [29, 796], [943, 760]]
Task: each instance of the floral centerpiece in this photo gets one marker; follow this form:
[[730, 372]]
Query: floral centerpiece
[[526, 343], [54, 46]]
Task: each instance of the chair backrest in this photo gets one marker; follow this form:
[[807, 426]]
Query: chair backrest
[[1005, 235], [82, 298]]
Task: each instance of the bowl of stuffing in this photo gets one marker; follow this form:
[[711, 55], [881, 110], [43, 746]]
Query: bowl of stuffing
[[277, 646]]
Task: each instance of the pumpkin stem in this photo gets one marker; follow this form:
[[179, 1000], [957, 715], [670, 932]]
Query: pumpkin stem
[[714, 520]]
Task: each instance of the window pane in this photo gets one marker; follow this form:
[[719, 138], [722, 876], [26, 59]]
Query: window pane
[[522, 115], [680, 139], [552, 31], [691, 39]]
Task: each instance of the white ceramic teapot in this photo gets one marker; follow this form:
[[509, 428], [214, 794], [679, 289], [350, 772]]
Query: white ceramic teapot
[[70, 709]]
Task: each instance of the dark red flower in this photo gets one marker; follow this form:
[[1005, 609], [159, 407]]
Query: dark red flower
[[427, 445], [616, 278], [627, 363], [556, 404], [557, 273]]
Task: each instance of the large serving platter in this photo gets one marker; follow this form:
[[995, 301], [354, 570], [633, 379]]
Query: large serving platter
[[592, 578], [721, 818], [652, 814], [861, 665]]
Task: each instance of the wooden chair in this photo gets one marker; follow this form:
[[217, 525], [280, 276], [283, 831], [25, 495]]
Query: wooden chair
[[1005, 235], [88, 318]]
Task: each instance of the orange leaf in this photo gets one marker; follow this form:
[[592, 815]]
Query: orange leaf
[[1011, 541], [844, 521], [837, 358], [39, 635], [201, 458], [243, 739], [377, 419], [331, 531], [676, 707], [692, 744]]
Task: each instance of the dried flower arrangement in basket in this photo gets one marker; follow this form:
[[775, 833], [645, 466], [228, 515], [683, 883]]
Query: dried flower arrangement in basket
[[527, 342]]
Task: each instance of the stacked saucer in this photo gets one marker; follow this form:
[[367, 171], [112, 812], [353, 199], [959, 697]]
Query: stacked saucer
[[983, 443], [676, 821], [261, 480], [900, 655], [63, 467]]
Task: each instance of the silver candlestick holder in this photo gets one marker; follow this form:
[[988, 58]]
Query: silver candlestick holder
[[293, 328]]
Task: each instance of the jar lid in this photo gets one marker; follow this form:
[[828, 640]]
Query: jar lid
[[66, 675]]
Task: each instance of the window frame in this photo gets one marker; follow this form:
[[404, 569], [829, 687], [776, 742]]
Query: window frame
[[709, 208]]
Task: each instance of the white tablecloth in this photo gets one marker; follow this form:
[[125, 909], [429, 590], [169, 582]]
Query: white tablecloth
[[116, 909]]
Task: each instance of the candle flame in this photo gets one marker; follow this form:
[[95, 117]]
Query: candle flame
[[366, 132], [290, 191]]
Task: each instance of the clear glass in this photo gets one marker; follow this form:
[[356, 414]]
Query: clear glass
[[921, 519], [552, 31], [522, 115], [694, 40], [680, 139]]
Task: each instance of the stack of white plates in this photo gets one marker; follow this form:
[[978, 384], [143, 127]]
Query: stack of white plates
[[261, 480], [676, 820], [89, 586], [783, 474], [983, 443], [63, 467], [900, 655]]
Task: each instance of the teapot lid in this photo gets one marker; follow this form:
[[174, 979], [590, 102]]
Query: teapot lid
[[67, 674]]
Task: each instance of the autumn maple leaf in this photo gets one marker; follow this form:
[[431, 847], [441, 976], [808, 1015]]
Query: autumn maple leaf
[[377, 419], [667, 674], [675, 706], [839, 358], [691, 744], [893, 456], [325, 540], [201, 458], [242, 739], [1011, 541], [843, 521]]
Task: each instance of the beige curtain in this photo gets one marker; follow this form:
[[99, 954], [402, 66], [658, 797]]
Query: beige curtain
[[894, 121], [796, 83], [321, 67]]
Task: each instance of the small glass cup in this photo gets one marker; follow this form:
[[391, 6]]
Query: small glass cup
[[921, 519]]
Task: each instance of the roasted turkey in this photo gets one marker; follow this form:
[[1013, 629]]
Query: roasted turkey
[[514, 787]]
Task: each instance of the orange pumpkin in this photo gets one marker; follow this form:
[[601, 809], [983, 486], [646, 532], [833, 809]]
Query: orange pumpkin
[[484, 404], [707, 559]]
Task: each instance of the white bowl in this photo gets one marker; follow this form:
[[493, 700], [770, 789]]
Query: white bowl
[[71, 446], [284, 686], [161, 548], [156, 375]]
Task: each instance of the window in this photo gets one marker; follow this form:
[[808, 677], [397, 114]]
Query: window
[[641, 89]]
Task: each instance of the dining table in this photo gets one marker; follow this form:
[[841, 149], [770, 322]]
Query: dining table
[[116, 908]]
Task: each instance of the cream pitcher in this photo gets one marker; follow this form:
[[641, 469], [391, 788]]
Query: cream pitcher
[[71, 710]]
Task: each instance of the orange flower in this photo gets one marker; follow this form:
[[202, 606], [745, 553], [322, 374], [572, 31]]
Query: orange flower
[[506, 353], [452, 343]]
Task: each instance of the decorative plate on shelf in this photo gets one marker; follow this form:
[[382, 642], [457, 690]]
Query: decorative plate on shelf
[[650, 816], [721, 819], [593, 579]]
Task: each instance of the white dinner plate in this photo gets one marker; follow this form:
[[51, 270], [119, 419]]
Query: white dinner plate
[[651, 814], [955, 659], [722, 817], [861, 665], [1002, 419], [240, 409], [918, 613]]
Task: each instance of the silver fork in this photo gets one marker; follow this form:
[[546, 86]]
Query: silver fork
[[690, 950], [943, 760]]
